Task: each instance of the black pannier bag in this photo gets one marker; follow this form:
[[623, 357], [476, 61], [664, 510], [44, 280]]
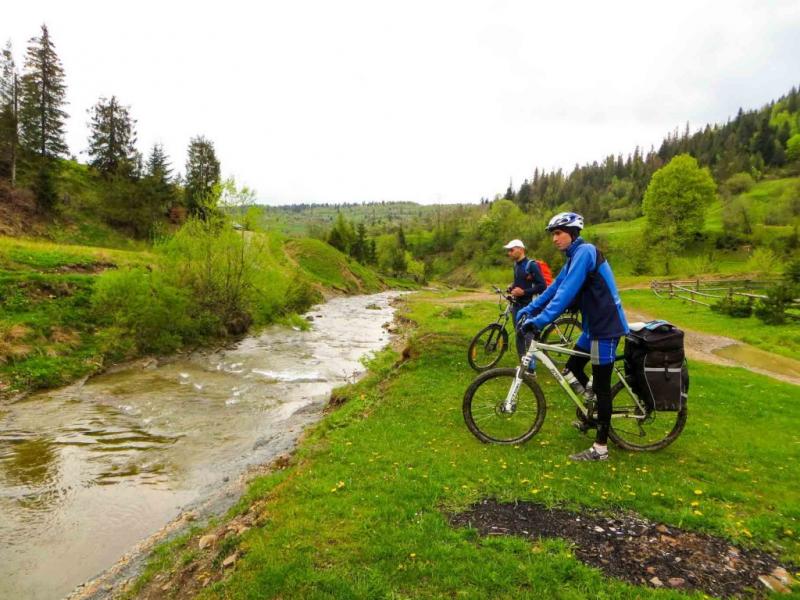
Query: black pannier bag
[[656, 367]]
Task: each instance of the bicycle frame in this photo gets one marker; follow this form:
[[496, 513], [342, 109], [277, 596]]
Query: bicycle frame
[[536, 350]]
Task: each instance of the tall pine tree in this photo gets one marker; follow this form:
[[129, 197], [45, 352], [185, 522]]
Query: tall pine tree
[[158, 165], [202, 176], [158, 189], [42, 99], [9, 115], [112, 138]]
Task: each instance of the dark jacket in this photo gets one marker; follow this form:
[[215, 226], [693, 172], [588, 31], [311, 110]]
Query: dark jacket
[[528, 276], [586, 280]]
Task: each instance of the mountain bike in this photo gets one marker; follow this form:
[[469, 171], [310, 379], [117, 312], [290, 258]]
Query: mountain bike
[[490, 343], [507, 405]]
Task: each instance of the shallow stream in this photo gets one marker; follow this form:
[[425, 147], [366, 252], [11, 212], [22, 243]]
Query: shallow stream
[[89, 470]]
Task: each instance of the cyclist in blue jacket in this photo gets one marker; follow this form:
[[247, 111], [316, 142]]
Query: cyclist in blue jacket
[[585, 280], [528, 283]]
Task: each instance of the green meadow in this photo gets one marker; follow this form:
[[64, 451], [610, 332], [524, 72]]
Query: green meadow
[[362, 510]]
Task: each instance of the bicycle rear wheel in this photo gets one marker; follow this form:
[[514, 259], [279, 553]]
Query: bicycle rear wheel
[[565, 332], [632, 430], [487, 347], [485, 413]]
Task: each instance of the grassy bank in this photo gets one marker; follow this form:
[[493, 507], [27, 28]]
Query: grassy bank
[[362, 510], [67, 310]]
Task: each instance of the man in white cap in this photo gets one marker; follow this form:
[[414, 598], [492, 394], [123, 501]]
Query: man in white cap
[[528, 282]]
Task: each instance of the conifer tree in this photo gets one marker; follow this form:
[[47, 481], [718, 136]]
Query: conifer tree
[[202, 177], [359, 248], [112, 138], [401, 238], [158, 165], [9, 115], [159, 190], [42, 99]]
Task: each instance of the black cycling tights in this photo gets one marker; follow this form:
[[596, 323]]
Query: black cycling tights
[[601, 384]]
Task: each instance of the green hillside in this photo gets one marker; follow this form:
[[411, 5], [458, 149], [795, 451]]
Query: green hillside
[[726, 248]]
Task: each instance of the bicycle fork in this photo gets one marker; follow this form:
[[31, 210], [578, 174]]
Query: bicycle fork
[[510, 403]]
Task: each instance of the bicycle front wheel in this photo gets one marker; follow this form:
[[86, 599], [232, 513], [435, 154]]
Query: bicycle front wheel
[[633, 430], [489, 417], [487, 347]]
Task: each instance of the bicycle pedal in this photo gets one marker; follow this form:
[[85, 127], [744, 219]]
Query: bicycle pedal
[[582, 426]]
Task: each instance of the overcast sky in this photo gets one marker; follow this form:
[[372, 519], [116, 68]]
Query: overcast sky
[[335, 101]]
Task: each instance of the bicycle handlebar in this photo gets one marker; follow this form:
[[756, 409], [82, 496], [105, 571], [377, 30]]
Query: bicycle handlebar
[[505, 295]]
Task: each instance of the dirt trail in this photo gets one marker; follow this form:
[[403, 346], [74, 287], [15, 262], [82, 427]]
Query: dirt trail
[[701, 346]]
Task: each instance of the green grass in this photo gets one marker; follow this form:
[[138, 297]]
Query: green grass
[[619, 232], [331, 268], [362, 511], [20, 254], [780, 339], [47, 329]]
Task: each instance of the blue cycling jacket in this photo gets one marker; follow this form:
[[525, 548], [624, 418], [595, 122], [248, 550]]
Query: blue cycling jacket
[[587, 282]]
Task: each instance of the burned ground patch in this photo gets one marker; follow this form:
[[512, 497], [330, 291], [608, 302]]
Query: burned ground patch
[[634, 549]]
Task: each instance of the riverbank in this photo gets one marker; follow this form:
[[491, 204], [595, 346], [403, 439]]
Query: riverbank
[[88, 471], [69, 311], [364, 507]]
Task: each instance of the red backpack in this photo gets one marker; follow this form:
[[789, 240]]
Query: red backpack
[[546, 273]]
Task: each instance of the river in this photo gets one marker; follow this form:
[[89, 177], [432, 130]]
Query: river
[[89, 470]]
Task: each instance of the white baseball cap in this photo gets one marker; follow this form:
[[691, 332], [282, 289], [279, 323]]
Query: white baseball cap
[[514, 244]]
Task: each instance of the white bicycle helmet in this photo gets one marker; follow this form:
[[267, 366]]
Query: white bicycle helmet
[[565, 219]]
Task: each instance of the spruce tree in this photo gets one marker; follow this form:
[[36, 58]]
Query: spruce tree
[[9, 115], [158, 165], [112, 137], [42, 99], [202, 176], [159, 189], [359, 248], [401, 238]]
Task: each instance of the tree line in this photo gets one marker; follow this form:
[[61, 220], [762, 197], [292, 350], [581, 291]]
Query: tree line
[[138, 192], [754, 142]]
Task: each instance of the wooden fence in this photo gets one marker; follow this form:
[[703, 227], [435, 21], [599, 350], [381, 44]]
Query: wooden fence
[[707, 292]]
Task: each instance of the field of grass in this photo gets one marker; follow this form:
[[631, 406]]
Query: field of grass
[[780, 339], [361, 512], [20, 254]]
